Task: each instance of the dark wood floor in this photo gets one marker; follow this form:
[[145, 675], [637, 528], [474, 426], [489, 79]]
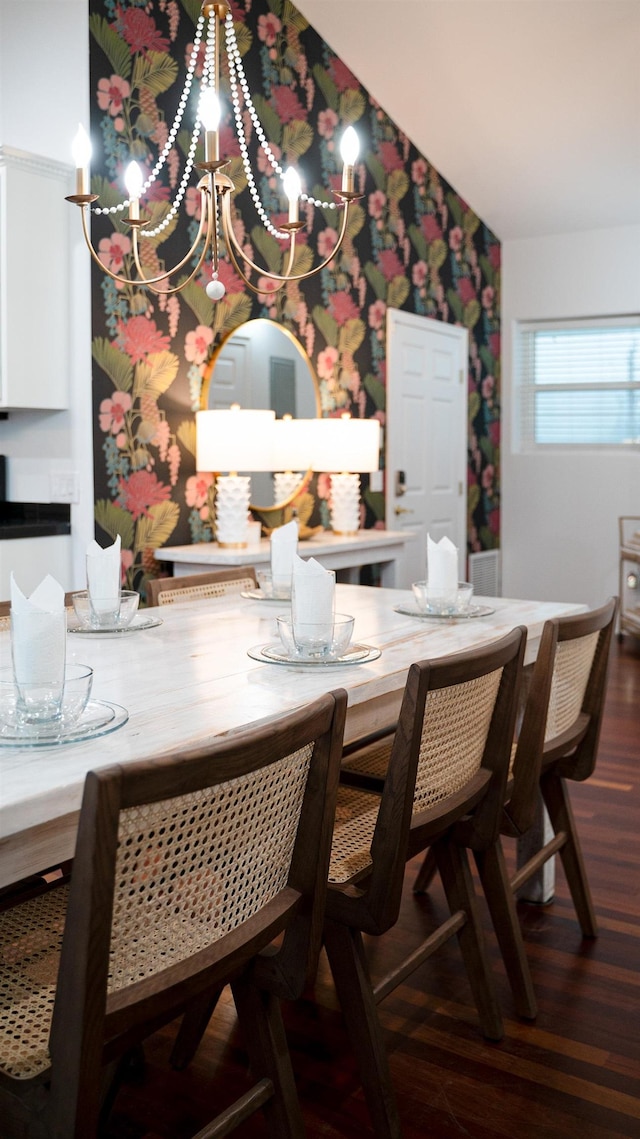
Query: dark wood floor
[[574, 1073]]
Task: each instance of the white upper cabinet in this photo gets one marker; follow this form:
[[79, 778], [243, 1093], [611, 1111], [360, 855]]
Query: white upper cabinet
[[35, 312]]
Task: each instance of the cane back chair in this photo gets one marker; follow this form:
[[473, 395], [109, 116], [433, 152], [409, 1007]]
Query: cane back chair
[[196, 586], [187, 868]]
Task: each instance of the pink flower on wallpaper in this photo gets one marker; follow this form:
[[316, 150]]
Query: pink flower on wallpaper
[[466, 290], [196, 344], [376, 203], [267, 287], [193, 203], [113, 411], [344, 79], [323, 486], [287, 104], [140, 491], [140, 337], [488, 476], [494, 344], [140, 31], [199, 58], [327, 360], [419, 274], [494, 521], [196, 490], [455, 238], [494, 255], [419, 170], [112, 251], [112, 93], [227, 274], [431, 228], [488, 294], [229, 143], [494, 432], [269, 28], [390, 264], [262, 162], [327, 239], [488, 385], [327, 123], [126, 562], [343, 308], [389, 157], [377, 313]]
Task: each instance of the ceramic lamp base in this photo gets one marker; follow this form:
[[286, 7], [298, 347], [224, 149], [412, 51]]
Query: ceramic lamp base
[[232, 508], [285, 485], [345, 504]]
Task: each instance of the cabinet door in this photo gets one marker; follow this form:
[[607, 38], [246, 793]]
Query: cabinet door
[[34, 281]]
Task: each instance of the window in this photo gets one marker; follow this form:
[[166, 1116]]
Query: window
[[579, 382]]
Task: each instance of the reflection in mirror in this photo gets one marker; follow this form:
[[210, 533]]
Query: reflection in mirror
[[262, 365]]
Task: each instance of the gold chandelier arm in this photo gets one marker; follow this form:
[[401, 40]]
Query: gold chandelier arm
[[241, 273]]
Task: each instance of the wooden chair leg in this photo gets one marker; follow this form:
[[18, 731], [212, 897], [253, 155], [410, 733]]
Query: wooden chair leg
[[453, 866], [426, 873], [504, 915], [556, 798], [346, 955], [192, 1029], [263, 1032]]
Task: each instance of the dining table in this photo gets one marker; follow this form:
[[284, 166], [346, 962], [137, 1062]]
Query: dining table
[[185, 674]]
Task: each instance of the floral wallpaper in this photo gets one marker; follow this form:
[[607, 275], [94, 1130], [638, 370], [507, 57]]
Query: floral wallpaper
[[412, 244]]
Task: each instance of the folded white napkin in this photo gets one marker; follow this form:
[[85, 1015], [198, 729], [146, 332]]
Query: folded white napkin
[[103, 574], [313, 589], [284, 545], [38, 633], [442, 568]]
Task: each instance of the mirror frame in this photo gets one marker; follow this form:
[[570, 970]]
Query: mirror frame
[[208, 377]]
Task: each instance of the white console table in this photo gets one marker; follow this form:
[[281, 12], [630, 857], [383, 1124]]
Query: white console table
[[343, 553]]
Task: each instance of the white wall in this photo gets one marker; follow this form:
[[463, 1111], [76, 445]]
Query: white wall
[[44, 86], [560, 512]]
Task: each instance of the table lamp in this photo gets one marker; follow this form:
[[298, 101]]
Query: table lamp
[[343, 446], [234, 439], [292, 440]]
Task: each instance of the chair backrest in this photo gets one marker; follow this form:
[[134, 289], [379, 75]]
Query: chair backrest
[[5, 610], [186, 868], [563, 713], [193, 587], [449, 760]]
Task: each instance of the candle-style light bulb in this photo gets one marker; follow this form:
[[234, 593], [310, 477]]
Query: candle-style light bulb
[[349, 148], [81, 151], [133, 182], [210, 112], [293, 189]]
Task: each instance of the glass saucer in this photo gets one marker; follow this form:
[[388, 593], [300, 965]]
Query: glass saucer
[[258, 595], [136, 626], [460, 615], [98, 719], [275, 654]]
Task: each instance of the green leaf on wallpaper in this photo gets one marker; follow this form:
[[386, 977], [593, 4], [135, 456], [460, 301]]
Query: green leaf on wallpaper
[[357, 218], [488, 271], [116, 364], [291, 16], [275, 6], [192, 8], [351, 335], [398, 292], [156, 530], [455, 304], [155, 374], [198, 302], [351, 107], [145, 125], [437, 254], [155, 72], [489, 449], [267, 247], [139, 458], [186, 435], [488, 538], [473, 497], [471, 313], [183, 139], [397, 185], [303, 259], [376, 170], [455, 207], [230, 313], [244, 37], [115, 49], [326, 324], [470, 223], [269, 118], [114, 520], [375, 502], [109, 195], [373, 386], [297, 137], [418, 240], [488, 359], [376, 279], [155, 213], [327, 86], [474, 405]]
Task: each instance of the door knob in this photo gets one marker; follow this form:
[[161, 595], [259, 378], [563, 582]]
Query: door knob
[[402, 510]]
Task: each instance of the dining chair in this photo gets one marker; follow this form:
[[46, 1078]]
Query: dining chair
[[187, 869], [193, 587], [443, 791]]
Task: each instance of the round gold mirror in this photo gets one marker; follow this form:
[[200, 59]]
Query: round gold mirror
[[261, 365]]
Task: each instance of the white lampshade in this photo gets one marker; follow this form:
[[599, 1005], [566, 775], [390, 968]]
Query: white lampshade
[[293, 443], [235, 439], [346, 444]]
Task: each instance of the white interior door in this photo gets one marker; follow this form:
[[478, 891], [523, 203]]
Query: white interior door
[[426, 436]]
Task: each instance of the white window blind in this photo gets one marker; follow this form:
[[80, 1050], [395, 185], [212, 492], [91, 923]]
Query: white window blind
[[579, 382]]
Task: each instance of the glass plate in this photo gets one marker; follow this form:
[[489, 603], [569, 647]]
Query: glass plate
[[464, 614], [258, 595], [98, 719], [275, 654], [136, 626]]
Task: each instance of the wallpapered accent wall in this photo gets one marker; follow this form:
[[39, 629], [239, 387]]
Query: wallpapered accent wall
[[414, 244]]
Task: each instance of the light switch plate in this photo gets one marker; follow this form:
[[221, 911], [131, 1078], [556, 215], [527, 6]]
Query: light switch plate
[[65, 486]]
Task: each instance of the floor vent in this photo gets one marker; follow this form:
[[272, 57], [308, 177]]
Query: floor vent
[[484, 573]]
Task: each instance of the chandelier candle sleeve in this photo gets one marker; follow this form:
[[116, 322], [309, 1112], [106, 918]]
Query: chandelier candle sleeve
[[82, 156]]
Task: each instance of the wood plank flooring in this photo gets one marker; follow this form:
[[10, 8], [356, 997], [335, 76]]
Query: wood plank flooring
[[574, 1074]]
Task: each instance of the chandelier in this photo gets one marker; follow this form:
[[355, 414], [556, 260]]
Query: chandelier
[[216, 188]]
